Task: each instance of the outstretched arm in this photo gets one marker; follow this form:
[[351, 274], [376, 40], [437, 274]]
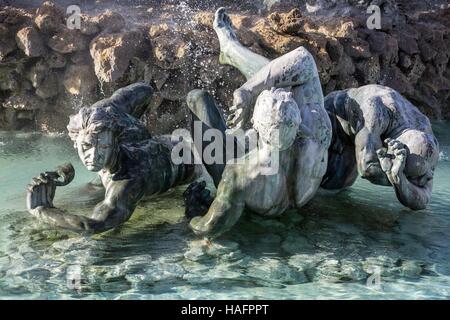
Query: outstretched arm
[[227, 207], [120, 201], [410, 195]]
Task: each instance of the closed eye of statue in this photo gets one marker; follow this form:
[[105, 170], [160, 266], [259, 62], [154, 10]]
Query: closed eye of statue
[[86, 146]]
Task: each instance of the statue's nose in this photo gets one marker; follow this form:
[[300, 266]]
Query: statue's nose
[[95, 154], [91, 155]]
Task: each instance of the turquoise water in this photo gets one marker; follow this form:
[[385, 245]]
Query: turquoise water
[[328, 250]]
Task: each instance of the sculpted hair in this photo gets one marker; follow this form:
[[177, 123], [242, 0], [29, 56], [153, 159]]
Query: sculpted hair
[[275, 108], [98, 118]]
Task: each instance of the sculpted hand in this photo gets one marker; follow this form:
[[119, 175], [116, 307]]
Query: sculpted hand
[[385, 160], [393, 158], [241, 109], [399, 152], [197, 199], [41, 190]]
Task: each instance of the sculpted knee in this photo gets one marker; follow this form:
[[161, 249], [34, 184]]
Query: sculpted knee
[[302, 55]]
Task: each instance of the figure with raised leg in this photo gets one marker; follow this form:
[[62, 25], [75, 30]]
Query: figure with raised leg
[[382, 137], [112, 141], [285, 102]]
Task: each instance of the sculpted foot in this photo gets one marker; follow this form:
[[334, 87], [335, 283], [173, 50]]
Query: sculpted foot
[[224, 30]]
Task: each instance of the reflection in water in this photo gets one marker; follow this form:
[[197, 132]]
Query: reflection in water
[[328, 250]]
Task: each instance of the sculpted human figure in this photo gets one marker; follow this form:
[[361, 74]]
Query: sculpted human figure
[[110, 140], [381, 136], [283, 98]]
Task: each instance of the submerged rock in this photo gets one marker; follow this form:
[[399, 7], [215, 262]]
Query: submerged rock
[[295, 243], [306, 262], [221, 247], [411, 268], [197, 251], [385, 265], [274, 270], [158, 271], [132, 265], [337, 270], [203, 250], [389, 268]]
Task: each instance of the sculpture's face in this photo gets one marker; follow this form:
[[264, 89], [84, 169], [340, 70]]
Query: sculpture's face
[[281, 136], [97, 150], [287, 133], [276, 121]]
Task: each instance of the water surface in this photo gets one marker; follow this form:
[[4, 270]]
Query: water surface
[[327, 250]]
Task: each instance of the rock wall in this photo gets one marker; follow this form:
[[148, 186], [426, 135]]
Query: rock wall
[[48, 71]]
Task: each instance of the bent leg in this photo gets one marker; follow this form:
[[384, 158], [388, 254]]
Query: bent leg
[[204, 110], [342, 170], [232, 52], [227, 207]]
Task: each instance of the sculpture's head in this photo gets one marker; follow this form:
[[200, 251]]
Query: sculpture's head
[[422, 157], [98, 132], [276, 117]]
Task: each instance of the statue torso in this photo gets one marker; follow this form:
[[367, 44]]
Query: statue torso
[[150, 161]]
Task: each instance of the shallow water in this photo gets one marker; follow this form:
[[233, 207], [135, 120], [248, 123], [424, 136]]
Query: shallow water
[[328, 250]]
